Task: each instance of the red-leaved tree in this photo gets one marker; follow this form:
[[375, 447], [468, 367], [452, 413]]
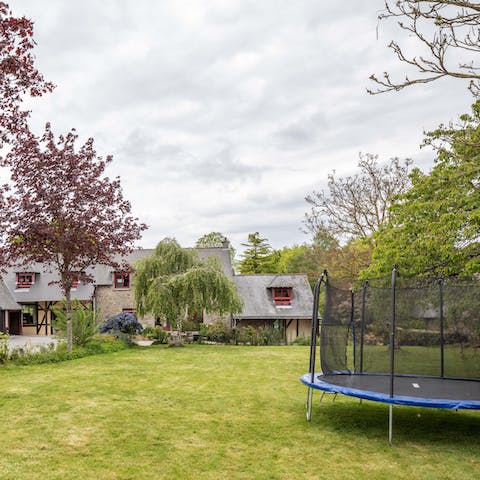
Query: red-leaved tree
[[61, 210], [18, 75]]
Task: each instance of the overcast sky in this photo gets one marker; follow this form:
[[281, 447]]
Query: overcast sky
[[223, 115]]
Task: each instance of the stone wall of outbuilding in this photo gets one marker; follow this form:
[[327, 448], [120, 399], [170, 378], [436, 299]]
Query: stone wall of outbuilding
[[110, 301]]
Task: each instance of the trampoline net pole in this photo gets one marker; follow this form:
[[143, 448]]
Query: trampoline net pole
[[390, 424], [442, 334], [362, 325], [392, 331], [315, 325], [352, 324]]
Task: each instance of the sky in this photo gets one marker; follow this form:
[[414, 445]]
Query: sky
[[223, 115]]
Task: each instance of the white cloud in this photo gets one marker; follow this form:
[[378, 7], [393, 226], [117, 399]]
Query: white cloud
[[222, 115]]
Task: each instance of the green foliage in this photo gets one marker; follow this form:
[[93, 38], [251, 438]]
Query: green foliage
[[54, 353], [264, 335], [341, 261], [84, 323], [302, 341], [215, 240], [434, 227], [173, 282], [156, 333], [292, 259], [217, 332], [258, 257], [249, 335], [4, 348]]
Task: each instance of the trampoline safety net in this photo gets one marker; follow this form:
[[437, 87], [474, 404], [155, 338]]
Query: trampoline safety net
[[436, 328]]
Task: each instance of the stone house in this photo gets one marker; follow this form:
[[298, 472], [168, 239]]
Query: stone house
[[27, 295], [282, 301]]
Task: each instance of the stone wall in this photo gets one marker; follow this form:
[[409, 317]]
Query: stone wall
[[111, 301], [210, 318]]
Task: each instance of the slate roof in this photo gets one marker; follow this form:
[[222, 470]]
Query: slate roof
[[255, 291], [7, 302], [45, 289], [222, 253], [103, 273]]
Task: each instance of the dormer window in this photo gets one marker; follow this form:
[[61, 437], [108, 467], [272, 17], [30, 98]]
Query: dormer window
[[75, 279], [282, 296], [25, 280], [121, 280]]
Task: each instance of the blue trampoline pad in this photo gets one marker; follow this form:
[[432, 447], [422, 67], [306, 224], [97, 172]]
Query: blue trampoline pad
[[408, 389]]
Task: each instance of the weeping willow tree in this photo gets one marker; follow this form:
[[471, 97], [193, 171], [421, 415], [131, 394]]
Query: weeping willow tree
[[174, 282]]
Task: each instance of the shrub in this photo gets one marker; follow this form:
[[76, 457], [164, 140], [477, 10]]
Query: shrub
[[216, 332], [124, 322], [4, 348], [84, 323], [99, 344], [248, 335], [190, 325], [270, 336], [157, 333], [301, 341]]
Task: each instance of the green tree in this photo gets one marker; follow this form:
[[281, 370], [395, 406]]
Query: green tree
[[435, 226], [258, 257], [173, 283], [215, 240], [292, 259]]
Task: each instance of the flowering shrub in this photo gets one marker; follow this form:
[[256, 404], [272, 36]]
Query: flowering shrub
[[124, 322]]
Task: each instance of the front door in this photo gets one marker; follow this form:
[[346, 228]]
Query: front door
[[15, 323]]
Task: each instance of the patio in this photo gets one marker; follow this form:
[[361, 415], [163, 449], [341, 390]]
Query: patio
[[30, 342]]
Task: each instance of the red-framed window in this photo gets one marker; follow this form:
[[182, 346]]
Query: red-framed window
[[25, 279], [75, 279], [121, 280], [282, 296]]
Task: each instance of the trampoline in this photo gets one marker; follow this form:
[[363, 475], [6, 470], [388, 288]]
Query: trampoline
[[413, 342]]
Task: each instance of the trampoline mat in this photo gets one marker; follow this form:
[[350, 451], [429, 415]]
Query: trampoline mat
[[411, 386]]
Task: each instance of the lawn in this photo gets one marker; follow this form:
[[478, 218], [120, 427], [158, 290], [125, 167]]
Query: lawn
[[214, 412]]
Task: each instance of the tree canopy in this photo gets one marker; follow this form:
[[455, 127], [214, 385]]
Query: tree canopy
[[215, 240], [435, 226], [356, 206], [448, 32], [18, 74], [258, 256], [62, 211], [174, 282]]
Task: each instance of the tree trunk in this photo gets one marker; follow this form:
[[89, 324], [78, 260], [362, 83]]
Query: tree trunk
[[68, 306]]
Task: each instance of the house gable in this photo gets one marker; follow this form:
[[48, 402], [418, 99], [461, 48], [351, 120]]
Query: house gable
[[273, 297]]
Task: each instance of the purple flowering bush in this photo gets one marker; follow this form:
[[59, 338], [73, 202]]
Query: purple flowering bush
[[124, 322]]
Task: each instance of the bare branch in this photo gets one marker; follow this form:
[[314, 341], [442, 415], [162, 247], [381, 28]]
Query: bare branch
[[356, 206], [457, 25]]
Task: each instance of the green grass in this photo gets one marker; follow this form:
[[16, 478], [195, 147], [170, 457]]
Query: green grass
[[214, 412]]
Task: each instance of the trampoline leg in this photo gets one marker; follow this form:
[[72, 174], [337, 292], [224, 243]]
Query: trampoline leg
[[390, 424], [308, 403]]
